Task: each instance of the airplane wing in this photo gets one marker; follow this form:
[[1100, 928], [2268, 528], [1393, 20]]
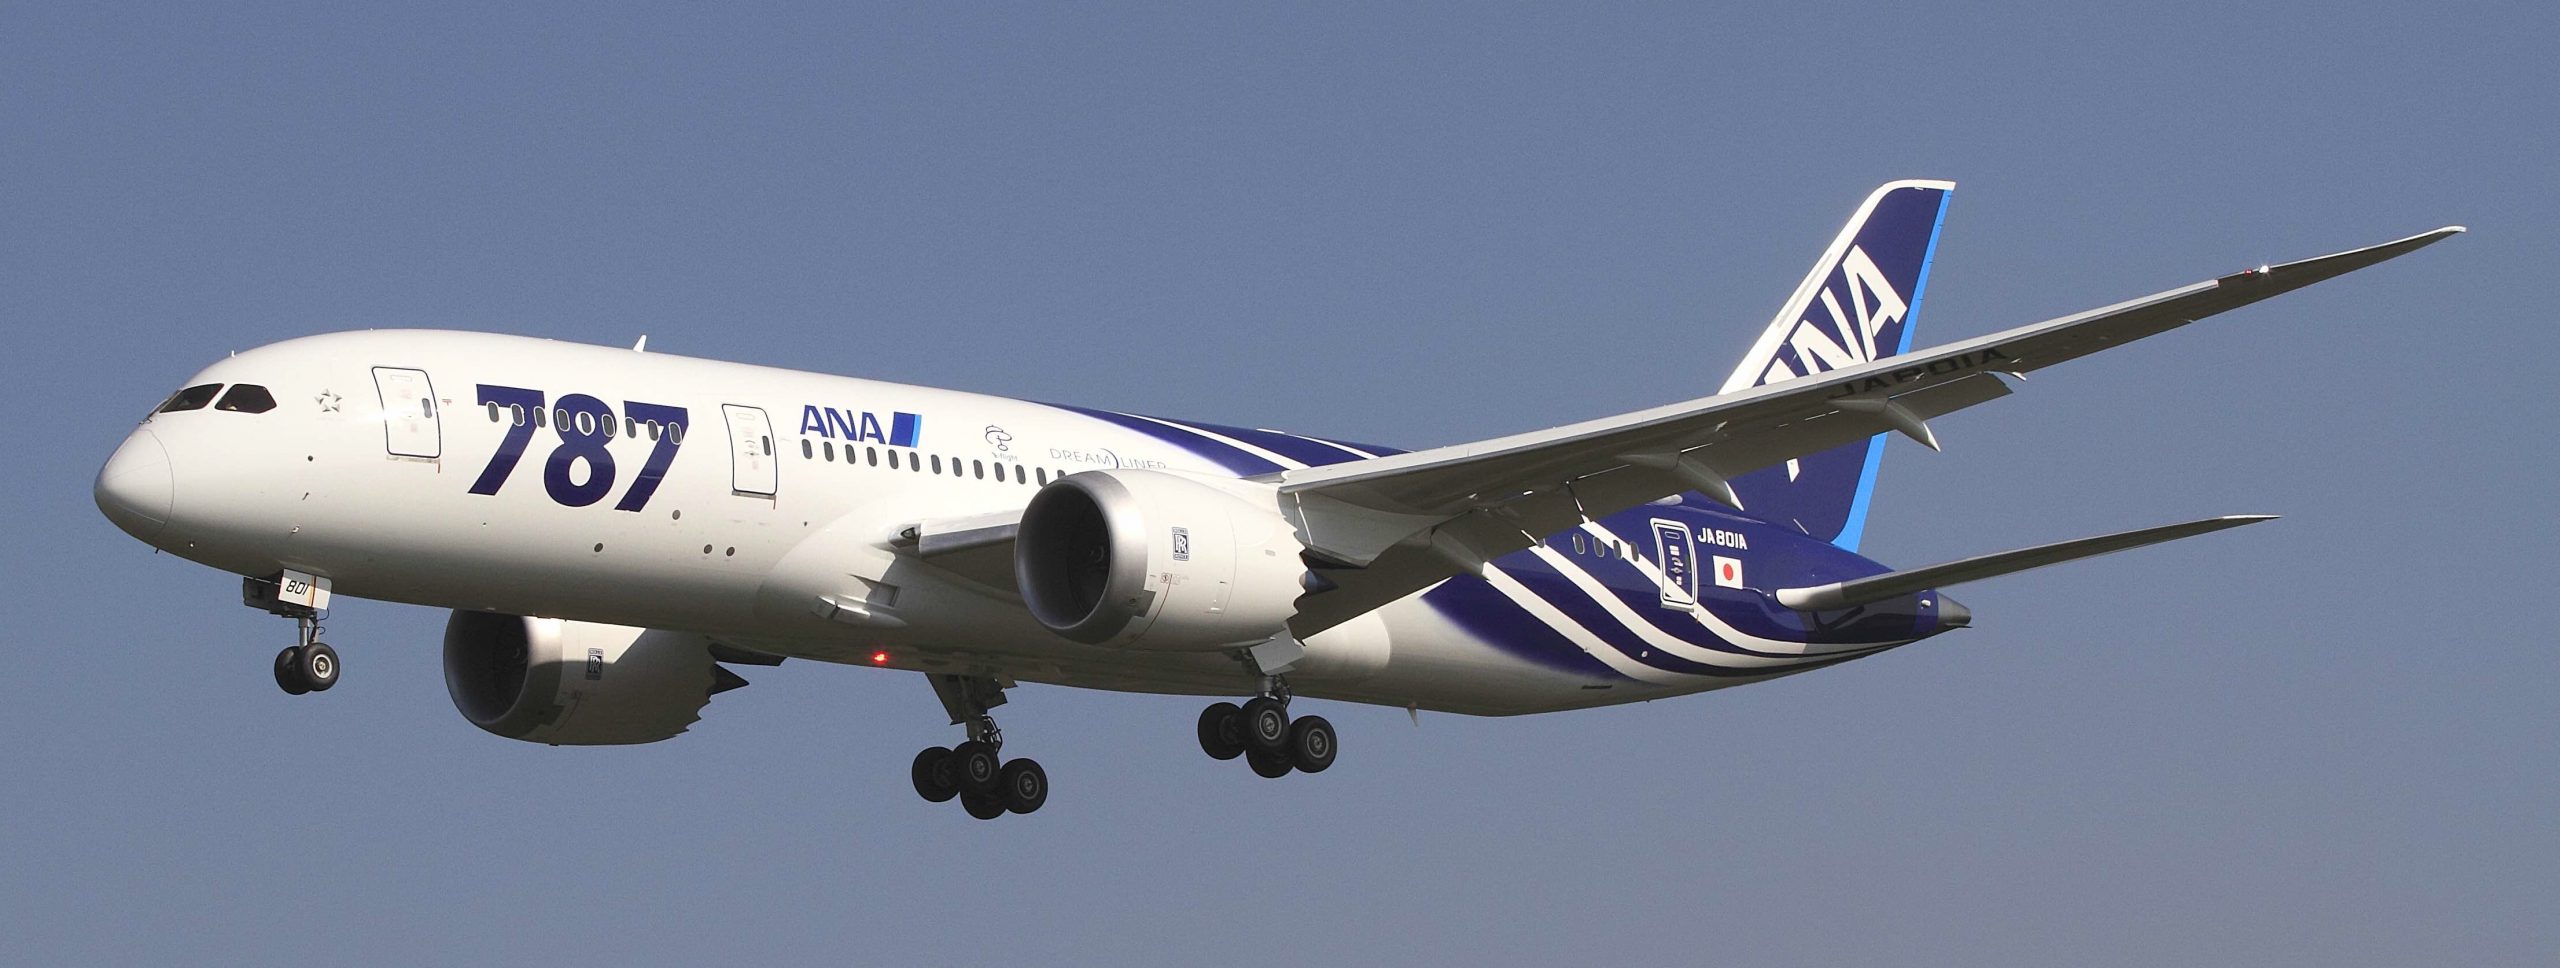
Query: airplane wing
[[1380, 529]]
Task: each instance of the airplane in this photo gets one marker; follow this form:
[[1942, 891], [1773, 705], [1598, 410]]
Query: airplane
[[614, 529]]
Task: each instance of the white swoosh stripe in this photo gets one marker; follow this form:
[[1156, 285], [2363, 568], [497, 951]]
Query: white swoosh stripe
[[1652, 634], [1581, 638], [1345, 448], [1284, 462], [1717, 626]]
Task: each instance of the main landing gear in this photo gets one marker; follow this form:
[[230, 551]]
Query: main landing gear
[[974, 771], [1262, 732]]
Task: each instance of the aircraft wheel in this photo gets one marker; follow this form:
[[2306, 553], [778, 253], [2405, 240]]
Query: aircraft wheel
[[975, 764], [933, 776], [1311, 744], [984, 806], [289, 672], [1025, 786], [1272, 765], [1266, 724], [318, 664], [1222, 731]]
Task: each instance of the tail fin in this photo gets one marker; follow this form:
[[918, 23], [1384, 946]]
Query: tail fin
[[1859, 303]]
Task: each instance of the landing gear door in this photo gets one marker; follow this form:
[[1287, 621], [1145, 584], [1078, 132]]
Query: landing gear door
[[1677, 550], [751, 464], [410, 427]]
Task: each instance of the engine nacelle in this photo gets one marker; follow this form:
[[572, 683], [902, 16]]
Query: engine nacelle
[[1157, 561], [544, 680]]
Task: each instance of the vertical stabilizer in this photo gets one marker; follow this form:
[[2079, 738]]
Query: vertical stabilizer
[[1859, 303]]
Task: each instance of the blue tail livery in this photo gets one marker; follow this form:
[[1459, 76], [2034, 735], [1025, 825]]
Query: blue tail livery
[[1860, 303]]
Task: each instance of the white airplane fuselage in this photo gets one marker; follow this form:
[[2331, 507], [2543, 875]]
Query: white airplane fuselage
[[347, 479]]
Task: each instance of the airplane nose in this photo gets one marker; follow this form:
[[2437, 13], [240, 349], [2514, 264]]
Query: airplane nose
[[136, 487], [1953, 614]]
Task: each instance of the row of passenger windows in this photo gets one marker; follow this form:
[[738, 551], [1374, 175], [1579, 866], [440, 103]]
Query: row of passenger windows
[[919, 463], [1609, 549], [584, 422], [243, 398]]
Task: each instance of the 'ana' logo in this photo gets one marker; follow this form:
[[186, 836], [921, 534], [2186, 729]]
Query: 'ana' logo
[[860, 425], [1860, 303]]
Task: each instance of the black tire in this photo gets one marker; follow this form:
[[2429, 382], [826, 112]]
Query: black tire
[[932, 775], [318, 664], [1222, 731], [1272, 765], [289, 672], [1025, 786], [984, 806], [1266, 725], [1311, 744], [975, 765]]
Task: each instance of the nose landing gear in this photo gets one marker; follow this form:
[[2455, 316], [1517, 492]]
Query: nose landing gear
[[310, 665]]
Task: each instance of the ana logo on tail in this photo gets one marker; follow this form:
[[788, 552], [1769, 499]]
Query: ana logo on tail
[[1872, 305]]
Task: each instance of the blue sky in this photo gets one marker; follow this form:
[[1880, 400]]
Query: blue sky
[[2324, 740]]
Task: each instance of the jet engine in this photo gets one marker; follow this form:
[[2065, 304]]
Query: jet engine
[[1157, 561], [577, 683]]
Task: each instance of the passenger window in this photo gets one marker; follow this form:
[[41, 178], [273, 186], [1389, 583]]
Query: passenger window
[[807, 451], [1577, 542], [1021, 476], [937, 463], [871, 456], [191, 398], [1043, 475], [978, 469], [675, 433], [541, 418], [247, 398], [893, 460], [493, 411], [830, 448]]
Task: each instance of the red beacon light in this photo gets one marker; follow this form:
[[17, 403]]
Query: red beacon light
[[879, 658]]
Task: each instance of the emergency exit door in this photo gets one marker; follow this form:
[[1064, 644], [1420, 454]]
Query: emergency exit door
[[751, 465], [410, 427]]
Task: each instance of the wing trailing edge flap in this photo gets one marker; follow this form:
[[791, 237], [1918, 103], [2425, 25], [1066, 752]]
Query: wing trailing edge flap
[[1895, 584]]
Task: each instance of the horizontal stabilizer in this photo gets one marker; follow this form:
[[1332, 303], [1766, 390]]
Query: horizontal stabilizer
[[1894, 584]]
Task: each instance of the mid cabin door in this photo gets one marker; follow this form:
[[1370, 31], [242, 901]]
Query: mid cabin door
[[410, 427], [751, 464], [1677, 550]]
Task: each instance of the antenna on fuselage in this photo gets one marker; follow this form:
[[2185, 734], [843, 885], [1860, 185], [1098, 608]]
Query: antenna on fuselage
[[642, 346]]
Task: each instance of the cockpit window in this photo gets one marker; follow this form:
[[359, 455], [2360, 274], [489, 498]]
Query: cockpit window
[[247, 398], [191, 398]]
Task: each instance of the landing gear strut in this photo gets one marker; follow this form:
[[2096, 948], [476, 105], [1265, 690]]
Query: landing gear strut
[[975, 771], [1263, 733], [309, 665]]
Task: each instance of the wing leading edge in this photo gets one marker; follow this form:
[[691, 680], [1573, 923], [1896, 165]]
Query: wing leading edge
[[1383, 528]]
